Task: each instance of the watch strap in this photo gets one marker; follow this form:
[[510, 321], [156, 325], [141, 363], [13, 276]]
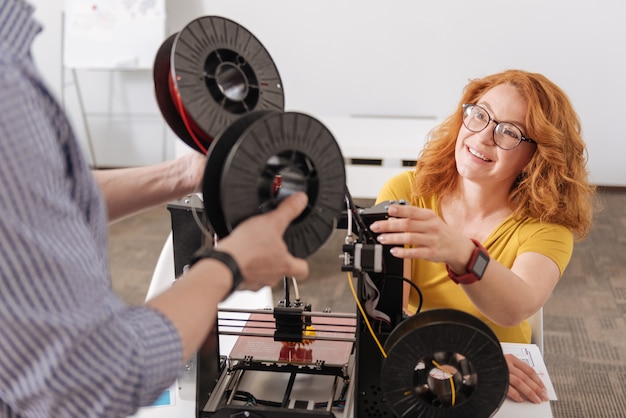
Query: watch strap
[[224, 258], [471, 275]]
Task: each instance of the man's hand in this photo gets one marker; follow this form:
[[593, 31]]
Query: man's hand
[[258, 246]]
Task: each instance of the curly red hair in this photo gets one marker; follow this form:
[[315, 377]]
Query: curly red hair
[[554, 186]]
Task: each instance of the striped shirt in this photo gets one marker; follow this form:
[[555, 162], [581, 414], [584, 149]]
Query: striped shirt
[[69, 347]]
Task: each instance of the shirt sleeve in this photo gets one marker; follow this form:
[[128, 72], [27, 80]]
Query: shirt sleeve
[[69, 347], [554, 241]]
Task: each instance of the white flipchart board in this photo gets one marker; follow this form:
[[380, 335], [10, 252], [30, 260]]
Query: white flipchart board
[[113, 34]]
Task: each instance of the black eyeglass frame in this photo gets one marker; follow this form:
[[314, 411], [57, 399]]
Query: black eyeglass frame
[[522, 137]]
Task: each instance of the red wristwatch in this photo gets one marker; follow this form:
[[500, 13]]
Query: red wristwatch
[[475, 267]]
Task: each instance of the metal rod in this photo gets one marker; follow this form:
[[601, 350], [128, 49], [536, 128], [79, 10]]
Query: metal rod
[[252, 334], [238, 376], [271, 312], [332, 394], [292, 379], [253, 323]]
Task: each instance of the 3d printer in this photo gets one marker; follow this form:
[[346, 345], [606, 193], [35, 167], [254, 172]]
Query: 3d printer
[[219, 91]]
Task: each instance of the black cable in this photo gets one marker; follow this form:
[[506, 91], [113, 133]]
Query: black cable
[[286, 285], [336, 404], [362, 228], [247, 397], [414, 286], [269, 403]]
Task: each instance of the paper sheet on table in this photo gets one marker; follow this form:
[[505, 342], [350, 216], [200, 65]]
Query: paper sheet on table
[[530, 354]]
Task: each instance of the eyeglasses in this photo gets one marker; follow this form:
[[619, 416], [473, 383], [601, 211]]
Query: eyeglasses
[[505, 135]]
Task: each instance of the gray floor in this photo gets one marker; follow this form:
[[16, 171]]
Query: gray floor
[[585, 319]]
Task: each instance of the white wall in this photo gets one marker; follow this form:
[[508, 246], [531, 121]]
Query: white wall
[[412, 58]]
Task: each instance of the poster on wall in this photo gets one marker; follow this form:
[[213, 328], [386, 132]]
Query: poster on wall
[[113, 34]]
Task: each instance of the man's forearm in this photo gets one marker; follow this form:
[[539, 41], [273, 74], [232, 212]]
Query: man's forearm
[[130, 190]]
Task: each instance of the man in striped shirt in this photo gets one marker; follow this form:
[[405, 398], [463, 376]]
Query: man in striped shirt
[[69, 347]]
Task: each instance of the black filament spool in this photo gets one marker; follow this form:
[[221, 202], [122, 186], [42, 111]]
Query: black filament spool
[[262, 158], [220, 71], [465, 351]]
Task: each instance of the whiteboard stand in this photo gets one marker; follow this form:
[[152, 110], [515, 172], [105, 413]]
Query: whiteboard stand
[[83, 112], [79, 96]]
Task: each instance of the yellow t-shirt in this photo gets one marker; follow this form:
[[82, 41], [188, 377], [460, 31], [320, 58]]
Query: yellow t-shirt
[[511, 238]]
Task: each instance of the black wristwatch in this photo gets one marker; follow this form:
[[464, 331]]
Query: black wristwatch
[[227, 259], [475, 267]]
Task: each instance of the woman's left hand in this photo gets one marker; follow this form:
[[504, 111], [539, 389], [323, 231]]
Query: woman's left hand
[[524, 383]]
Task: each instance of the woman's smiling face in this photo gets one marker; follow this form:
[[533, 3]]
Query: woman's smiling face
[[478, 158]]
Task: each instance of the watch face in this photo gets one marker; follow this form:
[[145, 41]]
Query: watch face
[[480, 264]]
